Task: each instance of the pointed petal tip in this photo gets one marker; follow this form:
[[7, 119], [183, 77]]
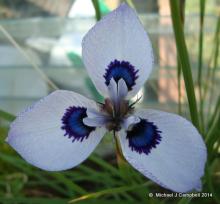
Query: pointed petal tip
[[191, 188], [198, 187], [123, 5], [7, 139], [124, 8]]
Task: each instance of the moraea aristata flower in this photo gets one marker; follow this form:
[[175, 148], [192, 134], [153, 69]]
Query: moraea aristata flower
[[61, 130]]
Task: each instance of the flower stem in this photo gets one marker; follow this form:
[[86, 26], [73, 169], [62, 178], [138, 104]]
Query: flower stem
[[96, 6], [123, 166], [200, 62], [119, 154]]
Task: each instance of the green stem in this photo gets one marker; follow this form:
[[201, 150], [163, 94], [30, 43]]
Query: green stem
[[182, 16], [184, 60], [120, 158], [130, 3], [214, 121], [209, 170], [214, 57], [179, 86], [202, 11], [123, 165], [215, 112], [215, 65], [110, 191], [97, 9]]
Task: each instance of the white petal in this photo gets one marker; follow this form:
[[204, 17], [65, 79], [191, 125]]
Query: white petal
[[122, 90], [95, 122], [119, 35], [113, 91], [95, 113], [37, 136], [96, 118], [131, 120], [177, 162]]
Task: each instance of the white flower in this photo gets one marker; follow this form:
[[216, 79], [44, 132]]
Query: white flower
[[61, 130]]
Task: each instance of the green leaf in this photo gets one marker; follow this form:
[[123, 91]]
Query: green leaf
[[184, 60], [69, 183], [89, 84], [26, 168], [200, 62], [97, 9], [184, 200], [22, 200], [209, 171], [75, 59], [105, 165], [110, 192], [7, 116]]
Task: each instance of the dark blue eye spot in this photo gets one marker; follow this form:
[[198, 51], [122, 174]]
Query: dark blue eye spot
[[143, 137], [73, 123], [121, 70]]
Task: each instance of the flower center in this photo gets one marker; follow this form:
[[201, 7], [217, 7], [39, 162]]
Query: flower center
[[116, 113]]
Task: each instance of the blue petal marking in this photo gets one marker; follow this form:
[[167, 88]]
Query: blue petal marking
[[143, 137], [73, 123], [121, 70]]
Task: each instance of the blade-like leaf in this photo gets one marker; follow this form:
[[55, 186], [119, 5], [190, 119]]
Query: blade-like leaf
[[109, 192]]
